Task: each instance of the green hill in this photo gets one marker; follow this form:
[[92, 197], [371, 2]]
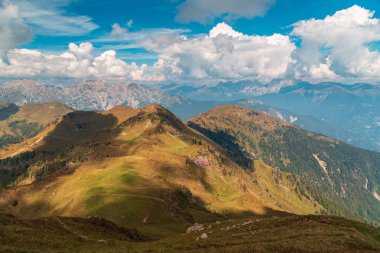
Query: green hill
[[21, 123], [137, 179], [140, 168], [345, 175]]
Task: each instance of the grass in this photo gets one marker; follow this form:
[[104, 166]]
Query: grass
[[174, 144], [33, 116], [252, 135], [131, 176], [251, 234], [279, 184]]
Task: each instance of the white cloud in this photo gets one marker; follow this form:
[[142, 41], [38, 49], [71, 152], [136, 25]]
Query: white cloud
[[118, 32], [224, 29], [13, 29], [132, 39], [224, 54], [337, 47], [50, 18], [83, 51], [78, 62], [205, 11]]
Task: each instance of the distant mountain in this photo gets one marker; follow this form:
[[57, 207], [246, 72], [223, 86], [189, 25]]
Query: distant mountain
[[359, 129], [346, 112], [346, 175], [354, 108], [89, 95], [226, 91], [99, 95], [311, 123]]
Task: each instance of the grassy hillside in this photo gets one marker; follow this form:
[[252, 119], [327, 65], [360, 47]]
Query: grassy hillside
[[20, 123], [276, 234], [344, 174], [141, 168]]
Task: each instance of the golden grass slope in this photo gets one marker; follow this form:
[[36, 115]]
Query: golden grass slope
[[143, 168], [39, 114]]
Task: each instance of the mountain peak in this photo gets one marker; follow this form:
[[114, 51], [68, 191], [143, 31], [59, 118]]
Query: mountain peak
[[238, 113], [121, 112], [153, 108]]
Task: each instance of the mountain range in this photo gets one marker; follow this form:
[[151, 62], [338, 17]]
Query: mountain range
[[102, 95], [354, 108], [345, 112], [98, 95], [226, 91], [140, 177]]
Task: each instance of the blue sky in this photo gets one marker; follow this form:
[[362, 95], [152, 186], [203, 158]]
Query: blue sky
[[170, 40], [155, 14]]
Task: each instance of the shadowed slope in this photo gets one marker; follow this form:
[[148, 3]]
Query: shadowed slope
[[141, 168], [20, 123], [344, 174], [289, 234]]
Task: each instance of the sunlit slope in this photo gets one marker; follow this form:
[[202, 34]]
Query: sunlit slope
[[20, 123], [142, 168], [346, 178]]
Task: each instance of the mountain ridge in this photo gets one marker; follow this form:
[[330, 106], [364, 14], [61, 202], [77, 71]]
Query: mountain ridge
[[327, 165], [95, 173], [111, 164]]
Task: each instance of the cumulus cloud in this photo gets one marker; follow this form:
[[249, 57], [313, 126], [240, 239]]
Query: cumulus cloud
[[224, 54], [205, 11], [77, 62], [337, 47], [13, 29], [82, 51]]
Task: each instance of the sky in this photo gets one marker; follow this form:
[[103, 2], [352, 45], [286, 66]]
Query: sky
[[193, 41]]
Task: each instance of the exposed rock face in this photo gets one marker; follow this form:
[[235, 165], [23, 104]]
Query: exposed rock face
[[90, 95], [204, 236], [194, 228]]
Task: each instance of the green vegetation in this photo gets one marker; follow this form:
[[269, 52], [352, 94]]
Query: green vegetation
[[286, 234], [21, 123], [341, 177], [21, 130], [147, 170]]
